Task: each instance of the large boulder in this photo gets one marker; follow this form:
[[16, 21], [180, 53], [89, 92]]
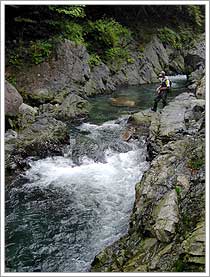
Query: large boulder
[[73, 107], [13, 100], [156, 55], [44, 81], [43, 137]]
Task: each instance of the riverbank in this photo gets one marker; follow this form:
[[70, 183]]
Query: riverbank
[[167, 225]]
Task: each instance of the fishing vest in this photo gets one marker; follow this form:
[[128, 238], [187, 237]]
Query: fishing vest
[[166, 83]]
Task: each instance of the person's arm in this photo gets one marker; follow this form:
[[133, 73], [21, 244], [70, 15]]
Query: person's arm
[[158, 89]]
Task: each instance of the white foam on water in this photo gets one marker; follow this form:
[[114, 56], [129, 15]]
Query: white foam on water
[[102, 196], [178, 77]]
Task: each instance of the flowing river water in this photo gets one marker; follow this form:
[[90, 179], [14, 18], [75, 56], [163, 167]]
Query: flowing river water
[[64, 210]]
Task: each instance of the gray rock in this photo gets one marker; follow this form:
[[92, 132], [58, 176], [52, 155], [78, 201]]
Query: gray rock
[[10, 134], [201, 89], [166, 216], [194, 245], [99, 81], [26, 115], [13, 100], [170, 198], [196, 55], [177, 64], [69, 66], [72, 107], [42, 137], [156, 55]]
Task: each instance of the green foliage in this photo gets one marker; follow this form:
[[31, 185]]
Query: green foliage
[[179, 265], [141, 48], [188, 37], [39, 51], [168, 36], [130, 60], [73, 31], [107, 33], [117, 53], [182, 37], [178, 190], [72, 11], [15, 59], [94, 60], [195, 14], [12, 80], [115, 57], [196, 163]]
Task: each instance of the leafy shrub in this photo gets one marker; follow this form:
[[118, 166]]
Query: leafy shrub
[[115, 57], [73, 11], [168, 36], [94, 60], [15, 59], [116, 54], [195, 14], [107, 33], [188, 37], [39, 51], [182, 37], [74, 32]]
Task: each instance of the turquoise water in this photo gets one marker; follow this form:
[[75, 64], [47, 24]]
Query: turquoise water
[[143, 95]]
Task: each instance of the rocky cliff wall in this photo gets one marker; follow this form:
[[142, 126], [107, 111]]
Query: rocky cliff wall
[[167, 225], [69, 72]]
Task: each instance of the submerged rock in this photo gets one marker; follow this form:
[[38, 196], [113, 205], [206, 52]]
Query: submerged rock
[[122, 102]]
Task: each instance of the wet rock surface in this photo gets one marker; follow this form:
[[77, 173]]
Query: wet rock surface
[[46, 136], [167, 224]]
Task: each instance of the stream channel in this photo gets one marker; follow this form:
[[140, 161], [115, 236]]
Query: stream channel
[[64, 210]]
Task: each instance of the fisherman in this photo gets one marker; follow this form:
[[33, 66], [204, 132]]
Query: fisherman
[[162, 90]]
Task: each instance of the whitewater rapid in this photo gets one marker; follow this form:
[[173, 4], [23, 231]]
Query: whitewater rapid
[[76, 207]]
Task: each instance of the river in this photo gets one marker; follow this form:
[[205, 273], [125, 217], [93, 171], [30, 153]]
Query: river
[[64, 210]]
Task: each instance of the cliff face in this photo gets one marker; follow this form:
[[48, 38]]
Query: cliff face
[[167, 226], [69, 72]]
